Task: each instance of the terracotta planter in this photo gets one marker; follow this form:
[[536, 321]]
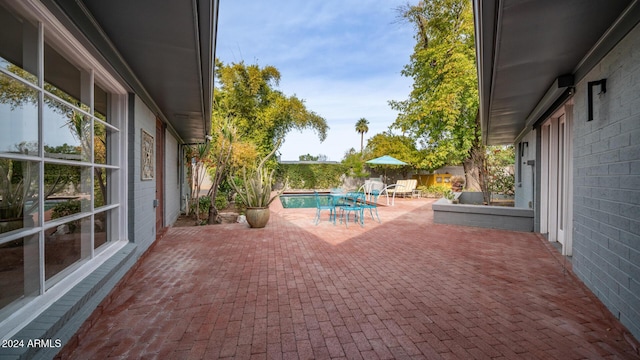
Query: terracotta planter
[[257, 217]]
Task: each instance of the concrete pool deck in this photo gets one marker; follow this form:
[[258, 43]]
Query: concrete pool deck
[[403, 289]]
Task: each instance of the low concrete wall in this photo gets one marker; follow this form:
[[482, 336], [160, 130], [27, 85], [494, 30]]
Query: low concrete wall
[[493, 217], [471, 197]]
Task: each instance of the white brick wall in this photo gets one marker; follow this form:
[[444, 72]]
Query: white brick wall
[[606, 237]]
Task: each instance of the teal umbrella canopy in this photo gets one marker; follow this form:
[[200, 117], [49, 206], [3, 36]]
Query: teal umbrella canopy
[[386, 160]]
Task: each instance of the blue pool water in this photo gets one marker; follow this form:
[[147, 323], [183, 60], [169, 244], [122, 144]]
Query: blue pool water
[[299, 201]]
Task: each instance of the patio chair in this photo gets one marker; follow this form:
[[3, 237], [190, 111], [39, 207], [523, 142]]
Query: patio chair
[[371, 186], [353, 204], [372, 205], [324, 205]]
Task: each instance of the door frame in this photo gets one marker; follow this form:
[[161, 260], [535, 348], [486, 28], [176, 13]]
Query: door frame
[[556, 215]]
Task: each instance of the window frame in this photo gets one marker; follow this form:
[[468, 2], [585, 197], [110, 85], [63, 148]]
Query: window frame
[[18, 313]]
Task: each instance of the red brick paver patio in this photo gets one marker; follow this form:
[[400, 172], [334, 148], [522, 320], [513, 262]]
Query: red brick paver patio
[[406, 288]]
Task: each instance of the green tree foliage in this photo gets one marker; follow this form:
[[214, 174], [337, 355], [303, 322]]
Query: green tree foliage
[[250, 117], [16, 188], [16, 95], [499, 163], [309, 157], [354, 164], [441, 111], [362, 127], [248, 95], [400, 147], [311, 176]]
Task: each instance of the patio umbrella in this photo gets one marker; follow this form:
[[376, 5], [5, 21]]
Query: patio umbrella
[[386, 160]]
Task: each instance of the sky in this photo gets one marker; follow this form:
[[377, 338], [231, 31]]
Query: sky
[[342, 57]]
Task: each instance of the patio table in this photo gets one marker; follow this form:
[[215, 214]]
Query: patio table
[[348, 202]]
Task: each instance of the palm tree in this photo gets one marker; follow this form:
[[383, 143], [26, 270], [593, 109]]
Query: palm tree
[[362, 126]]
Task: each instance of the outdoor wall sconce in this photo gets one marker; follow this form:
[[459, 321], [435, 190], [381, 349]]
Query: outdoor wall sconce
[[590, 85], [522, 145]]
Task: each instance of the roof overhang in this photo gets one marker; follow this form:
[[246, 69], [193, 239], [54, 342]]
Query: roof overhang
[[164, 52], [531, 52]]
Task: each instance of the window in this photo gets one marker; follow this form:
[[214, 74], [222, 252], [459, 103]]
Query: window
[[58, 158]]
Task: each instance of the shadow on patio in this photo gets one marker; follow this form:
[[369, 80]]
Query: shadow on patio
[[406, 288]]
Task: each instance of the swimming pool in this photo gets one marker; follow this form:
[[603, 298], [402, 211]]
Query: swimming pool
[[300, 201]]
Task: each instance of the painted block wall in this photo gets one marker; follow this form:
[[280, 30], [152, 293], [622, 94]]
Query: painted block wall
[[606, 234], [171, 179], [142, 214], [524, 194]]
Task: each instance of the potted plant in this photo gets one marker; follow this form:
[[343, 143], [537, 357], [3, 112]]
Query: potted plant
[[449, 195], [255, 193]]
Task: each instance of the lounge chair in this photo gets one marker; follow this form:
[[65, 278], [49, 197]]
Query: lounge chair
[[400, 188]]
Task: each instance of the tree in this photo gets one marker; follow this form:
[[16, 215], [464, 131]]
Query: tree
[[399, 146], [499, 170], [17, 95], [227, 151], [362, 127], [247, 95], [354, 164], [197, 155], [250, 117], [307, 157], [441, 111]]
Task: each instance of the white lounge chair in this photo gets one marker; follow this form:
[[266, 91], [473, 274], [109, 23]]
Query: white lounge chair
[[401, 188]]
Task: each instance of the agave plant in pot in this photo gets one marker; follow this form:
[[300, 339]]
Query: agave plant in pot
[[256, 192]]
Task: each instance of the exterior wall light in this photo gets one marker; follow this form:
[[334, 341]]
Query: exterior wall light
[[590, 85]]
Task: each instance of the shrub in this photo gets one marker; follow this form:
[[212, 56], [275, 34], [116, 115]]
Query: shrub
[[448, 194], [311, 176], [437, 190], [205, 204], [239, 204], [66, 208], [499, 167], [221, 201]]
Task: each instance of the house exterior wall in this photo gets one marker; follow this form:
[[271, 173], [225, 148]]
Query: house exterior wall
[[121, 221], [606, 234], [171, 180], [525, 174], [142, 219]]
